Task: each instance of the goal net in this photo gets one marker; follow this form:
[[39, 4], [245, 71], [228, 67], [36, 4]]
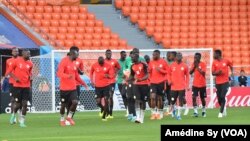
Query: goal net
[[45, 86]]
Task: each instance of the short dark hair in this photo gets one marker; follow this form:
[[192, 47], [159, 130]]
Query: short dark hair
[[217, 51], [198, 54], [174, 53], [25, 49], [73, 48], [157, 51], [108, 50], [131, 52], [242, 70], [122, 52]]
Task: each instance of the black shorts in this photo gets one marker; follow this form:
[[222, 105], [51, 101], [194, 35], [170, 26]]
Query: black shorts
[[201, 90], [122, 89], [20, 94], [141, 92], [129, 90], [157, 88], [78, 90], [101, 92], [68, 96], [11, 89], [222, 89], [112, 87], [177, 94]]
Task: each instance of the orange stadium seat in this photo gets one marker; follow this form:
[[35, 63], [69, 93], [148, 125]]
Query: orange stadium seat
[[119, 4], [47, 16], [136, 2], [134, 9], [160, 9], [79, 36], [97, 36], [106, 30], [48, 9], [41, 2], [90, 23], [98, 30], [106, 36], [70, 36], [74, 9], [65, 9], [72, 23], [142, 9], [127, 3], [134, 17], [53, 30], [83, 9], [61, 36], [57, 9]]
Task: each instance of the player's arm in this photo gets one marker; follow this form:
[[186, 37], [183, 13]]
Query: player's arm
[[60, 71], [81, 67], [202, 70], [91, 74], [192, 69], [230, 64], [10, 70], [30, 73], [132, 75], [187, 78], [78, 79], [164, 70], [145, 70], [214, 72]]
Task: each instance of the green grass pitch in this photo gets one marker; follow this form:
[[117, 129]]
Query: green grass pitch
[[89, 127]]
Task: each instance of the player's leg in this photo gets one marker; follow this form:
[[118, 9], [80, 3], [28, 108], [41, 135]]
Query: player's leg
[[122, 89], [106, 96], [194, 99], [203, 95], [160, 94], [137, 103], [25, 92], [182, 99], [98, 98], [153, 101], [111, 101], [131, 102], [185, 107], [16, 104], [168, 96], [73, 99], [144, 90], [219, 93], [64, 104], [78, 91], [174, 96], [224, 91]]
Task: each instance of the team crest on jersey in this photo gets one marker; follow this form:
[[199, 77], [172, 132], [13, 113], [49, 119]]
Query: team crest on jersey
[[16, 99], [160, 65], [62, 99], [105, 68], [140, 68], [182, 68], [224, 64], [199, 67], [77, 63], [174, 68], [28, 66], [74, 68], [112, 63]]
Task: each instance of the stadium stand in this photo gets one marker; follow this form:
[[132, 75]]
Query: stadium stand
[[217, 24], [67, 25]]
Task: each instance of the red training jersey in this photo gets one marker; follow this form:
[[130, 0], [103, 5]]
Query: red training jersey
[[222, 65], [115, 66], [22, 70], [178, 76], [9, 63], [156, 76], [199, 80], [68, 74], [139, 70], [98, 72], [79, 65]]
